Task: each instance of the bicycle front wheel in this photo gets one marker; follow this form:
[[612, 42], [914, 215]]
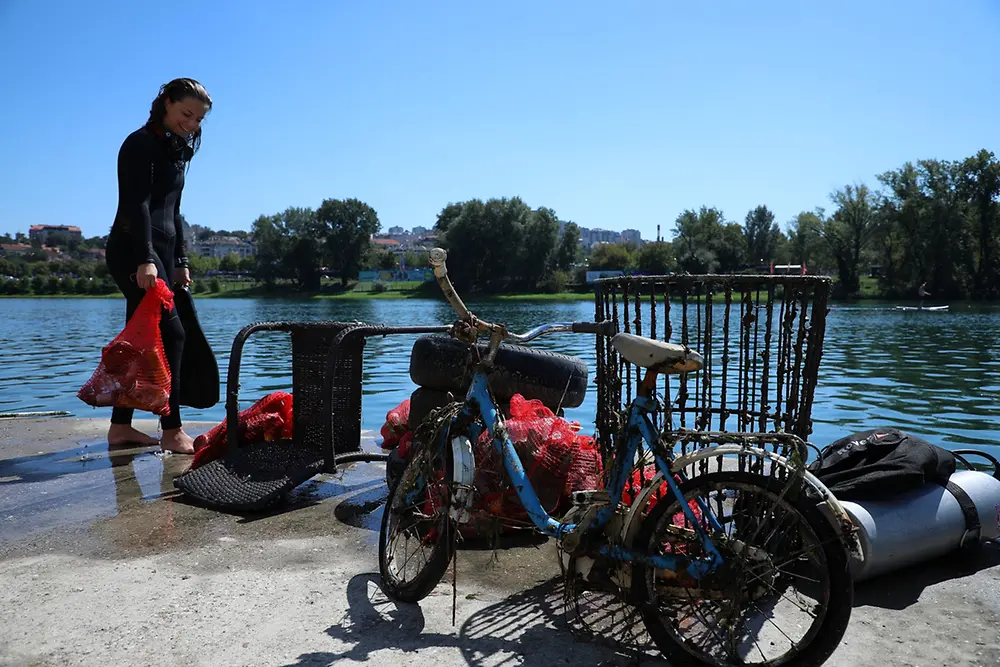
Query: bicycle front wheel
[[783, 595], [417, 534]]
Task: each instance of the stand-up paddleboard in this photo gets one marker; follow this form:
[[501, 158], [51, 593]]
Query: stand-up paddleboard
[[937, 308]]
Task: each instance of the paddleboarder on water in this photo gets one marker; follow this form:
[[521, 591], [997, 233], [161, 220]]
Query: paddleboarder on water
[[923, 293]]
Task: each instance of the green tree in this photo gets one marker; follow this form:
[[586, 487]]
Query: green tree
[[656, 258], [386, 260], [416, 260], [199, 265], [849, 230], [568, 251], [304, 259], [274, 242], [761, 232], [610, 257], [729, 248], [484, 241], [11, 268], [979, 185], [805, 245], [695, 240], [541, 233], [448, 215], [248, 264], [349, 226], [230, 263]]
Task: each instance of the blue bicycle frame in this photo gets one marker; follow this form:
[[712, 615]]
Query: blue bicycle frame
[[478, 403]]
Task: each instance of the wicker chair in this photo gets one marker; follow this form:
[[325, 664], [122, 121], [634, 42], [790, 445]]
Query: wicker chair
[[327, 363]]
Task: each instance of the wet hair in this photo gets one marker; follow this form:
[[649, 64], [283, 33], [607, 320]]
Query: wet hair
[[175, 91]]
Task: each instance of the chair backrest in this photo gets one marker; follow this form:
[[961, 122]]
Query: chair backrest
[[311, 345], [761, 337]]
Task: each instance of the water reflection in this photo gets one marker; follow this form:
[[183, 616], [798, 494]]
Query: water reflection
[[936, 374]]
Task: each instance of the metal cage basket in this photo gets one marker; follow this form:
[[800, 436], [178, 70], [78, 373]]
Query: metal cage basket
[[761, 337]]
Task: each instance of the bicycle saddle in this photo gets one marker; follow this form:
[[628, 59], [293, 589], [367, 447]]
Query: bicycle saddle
[[657, 355]]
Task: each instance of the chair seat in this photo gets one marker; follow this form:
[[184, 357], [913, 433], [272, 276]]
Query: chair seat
[[252, 477], [658, 355]]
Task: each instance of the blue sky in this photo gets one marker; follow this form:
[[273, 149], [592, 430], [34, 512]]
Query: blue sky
[[616, 115]]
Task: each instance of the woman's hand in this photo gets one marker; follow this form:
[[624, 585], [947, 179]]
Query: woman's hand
[[145, 276], [182, 276]]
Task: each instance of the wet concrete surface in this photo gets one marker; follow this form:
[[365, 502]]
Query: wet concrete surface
[[102, 562]]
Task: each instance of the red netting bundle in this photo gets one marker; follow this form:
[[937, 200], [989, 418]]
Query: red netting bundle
[[643, 476], [556, 458], [396, 427], [133, 372], [268, 419]]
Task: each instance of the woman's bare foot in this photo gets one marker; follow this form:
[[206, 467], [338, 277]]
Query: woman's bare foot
[[124, 434], [176, 440]]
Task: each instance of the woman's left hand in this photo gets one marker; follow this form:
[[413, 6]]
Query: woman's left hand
[[182, 276]]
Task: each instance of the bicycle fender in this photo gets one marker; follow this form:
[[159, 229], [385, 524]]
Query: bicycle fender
[[463, 477], [829, 506]]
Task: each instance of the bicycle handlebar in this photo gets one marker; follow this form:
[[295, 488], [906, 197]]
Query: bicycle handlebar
[[438, 256]]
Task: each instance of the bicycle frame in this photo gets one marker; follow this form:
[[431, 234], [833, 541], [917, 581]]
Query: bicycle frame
[[479, 403]]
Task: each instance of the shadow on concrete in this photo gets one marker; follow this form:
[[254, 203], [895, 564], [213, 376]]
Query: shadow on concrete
[[361, 495], [899, 590], [529, 629]]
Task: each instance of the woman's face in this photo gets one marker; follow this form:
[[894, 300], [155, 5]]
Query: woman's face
[[184, 116]]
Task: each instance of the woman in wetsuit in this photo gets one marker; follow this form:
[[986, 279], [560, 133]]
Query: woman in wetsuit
[[147, 239]]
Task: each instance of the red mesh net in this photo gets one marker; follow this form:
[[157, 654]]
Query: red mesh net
[[270, 418], [556, 458], [133, 372], [396, 425], [642, 477]]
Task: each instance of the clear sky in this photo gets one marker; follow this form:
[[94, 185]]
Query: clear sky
[[615, 114]]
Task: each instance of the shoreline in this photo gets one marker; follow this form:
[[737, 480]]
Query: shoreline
[[557, 297]]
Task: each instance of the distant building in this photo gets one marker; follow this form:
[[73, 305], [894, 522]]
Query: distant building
[[396, 231], [43, 232], [383, 243], [632, 236], [222, 246], [421, 231], [12, 249], [591, 237]]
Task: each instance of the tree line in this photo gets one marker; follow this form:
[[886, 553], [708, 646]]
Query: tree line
[[932, 221]]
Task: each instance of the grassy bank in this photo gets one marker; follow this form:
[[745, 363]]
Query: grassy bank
[[401, 290]]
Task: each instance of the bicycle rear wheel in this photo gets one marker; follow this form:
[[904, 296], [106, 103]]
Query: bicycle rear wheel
[[783, 596], [416, 518]]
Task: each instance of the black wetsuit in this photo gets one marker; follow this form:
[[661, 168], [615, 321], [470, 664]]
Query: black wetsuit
[[148, 228]]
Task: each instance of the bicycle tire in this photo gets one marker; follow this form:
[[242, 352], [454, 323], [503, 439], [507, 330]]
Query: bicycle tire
[[557, 380], [441, 553], [825, 639]]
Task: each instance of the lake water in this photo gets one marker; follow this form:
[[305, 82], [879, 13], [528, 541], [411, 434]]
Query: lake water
[[934, 374]]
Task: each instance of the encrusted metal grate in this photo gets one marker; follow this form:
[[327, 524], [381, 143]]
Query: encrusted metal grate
[[761, 337]]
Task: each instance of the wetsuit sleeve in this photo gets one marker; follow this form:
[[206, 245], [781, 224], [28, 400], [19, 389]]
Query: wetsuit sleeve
[[180, 249], [135, 176]]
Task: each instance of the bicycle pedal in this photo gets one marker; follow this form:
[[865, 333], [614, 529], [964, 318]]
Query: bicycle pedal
[[591, 497]]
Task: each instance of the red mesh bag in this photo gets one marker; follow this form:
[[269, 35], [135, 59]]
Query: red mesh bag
[[133, 372], [643, 476], [268, 419], [396, 425], [556, 458]]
